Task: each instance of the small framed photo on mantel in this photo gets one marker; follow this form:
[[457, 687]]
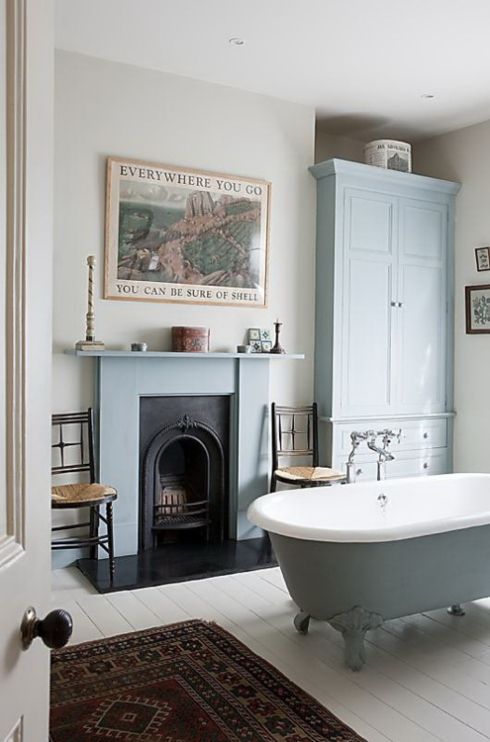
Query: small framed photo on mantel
[[482, 255], [477, 309]]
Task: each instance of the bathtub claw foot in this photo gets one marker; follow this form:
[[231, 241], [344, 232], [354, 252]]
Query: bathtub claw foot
[[456, 610], [353, 626], [302, 622]]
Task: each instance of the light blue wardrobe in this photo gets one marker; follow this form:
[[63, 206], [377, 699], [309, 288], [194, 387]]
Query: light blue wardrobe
[[384, 314]]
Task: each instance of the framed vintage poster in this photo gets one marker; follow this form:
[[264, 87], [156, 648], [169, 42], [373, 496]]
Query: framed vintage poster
[[477, 309], [180, 235]]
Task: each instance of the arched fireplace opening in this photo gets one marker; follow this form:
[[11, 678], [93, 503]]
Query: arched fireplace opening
[[184, 476]]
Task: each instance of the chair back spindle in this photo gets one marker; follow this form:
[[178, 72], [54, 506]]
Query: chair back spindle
[[75, 434], [294, 432]]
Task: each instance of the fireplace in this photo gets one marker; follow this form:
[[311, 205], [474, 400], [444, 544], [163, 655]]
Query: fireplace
[[123, 379], [184, 469]]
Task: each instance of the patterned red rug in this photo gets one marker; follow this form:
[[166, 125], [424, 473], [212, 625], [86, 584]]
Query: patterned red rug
[[189, 682]]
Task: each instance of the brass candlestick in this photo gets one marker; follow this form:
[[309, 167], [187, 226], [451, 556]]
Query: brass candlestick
[[277, 347], [90, 343]]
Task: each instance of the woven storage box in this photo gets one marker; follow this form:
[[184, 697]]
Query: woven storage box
[[190, 339]]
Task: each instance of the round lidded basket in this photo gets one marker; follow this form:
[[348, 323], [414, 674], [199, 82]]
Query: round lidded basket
[[190, 339], [390, 154]]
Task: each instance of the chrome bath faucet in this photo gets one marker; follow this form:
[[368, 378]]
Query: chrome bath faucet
[[371, 436]]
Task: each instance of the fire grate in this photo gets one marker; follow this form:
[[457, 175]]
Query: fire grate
[[176, 507]]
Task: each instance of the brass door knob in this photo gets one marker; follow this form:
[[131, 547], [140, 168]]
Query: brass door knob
[[55, 629]]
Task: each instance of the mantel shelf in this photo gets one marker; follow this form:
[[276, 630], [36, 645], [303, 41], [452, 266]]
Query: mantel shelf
[[174, 355]]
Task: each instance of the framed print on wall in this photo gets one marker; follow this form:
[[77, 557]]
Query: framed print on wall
[[477, 309], [180, 235], [482, 256], [259, 340]]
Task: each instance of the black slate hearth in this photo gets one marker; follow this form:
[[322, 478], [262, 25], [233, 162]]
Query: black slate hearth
[[178, 563]]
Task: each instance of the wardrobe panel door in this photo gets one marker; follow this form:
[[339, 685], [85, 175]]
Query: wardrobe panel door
[[366, 306], [421, 383], [422, 229], [370, 222], [422, 357], [367, 381]]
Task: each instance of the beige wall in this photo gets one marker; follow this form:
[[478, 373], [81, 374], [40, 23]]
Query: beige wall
[[105, 108], [464, 156], [331, 145]]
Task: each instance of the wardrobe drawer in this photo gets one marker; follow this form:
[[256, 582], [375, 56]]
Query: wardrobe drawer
[[428, 433], [421, 465], [409, 464], [415, 434]]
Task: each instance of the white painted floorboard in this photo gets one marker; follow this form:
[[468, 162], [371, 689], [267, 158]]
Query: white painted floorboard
[[427, 677]]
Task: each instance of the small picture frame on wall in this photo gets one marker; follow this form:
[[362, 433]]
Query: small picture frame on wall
[[482, 256], [477, 309]]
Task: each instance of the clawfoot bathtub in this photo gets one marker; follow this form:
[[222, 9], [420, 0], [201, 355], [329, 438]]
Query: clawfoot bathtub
[[357, 555]]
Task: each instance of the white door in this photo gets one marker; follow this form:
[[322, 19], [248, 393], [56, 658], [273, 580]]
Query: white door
[[26, 99]]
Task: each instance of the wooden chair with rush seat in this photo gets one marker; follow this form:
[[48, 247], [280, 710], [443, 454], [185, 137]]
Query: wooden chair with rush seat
[[73, 452], [295, 434]]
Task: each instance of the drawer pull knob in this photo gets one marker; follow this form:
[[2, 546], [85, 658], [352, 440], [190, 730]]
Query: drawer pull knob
[[426, 435], [426, 465]]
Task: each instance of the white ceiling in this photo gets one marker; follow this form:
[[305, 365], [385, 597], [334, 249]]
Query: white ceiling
[[362, 64]]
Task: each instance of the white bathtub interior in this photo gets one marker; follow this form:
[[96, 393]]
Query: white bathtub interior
[[415, 506]]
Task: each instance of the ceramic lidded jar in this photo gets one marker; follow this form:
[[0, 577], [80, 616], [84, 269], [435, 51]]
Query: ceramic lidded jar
[[190, 339]]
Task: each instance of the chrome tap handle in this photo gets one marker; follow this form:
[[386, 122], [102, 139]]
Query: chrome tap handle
[[356, 437], [389, 435]]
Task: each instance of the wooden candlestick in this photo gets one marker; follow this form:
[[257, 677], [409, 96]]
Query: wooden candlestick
[[90, 343], [277, 347]]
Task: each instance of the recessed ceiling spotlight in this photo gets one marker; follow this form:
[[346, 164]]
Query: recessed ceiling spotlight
[[236, 41], [428, 96]]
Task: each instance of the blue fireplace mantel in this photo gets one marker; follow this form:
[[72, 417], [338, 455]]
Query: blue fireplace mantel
[[122, 377]]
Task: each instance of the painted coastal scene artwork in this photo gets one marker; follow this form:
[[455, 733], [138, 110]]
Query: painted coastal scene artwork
[[181, 235]]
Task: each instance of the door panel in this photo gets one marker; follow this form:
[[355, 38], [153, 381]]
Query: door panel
[[366, 301], [371, 223], [421, 350], [422, 368], [421, 225], [25, 341], [368, 336]]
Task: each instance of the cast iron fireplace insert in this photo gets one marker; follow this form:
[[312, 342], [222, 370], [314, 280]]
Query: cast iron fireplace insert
[[184, 469]]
